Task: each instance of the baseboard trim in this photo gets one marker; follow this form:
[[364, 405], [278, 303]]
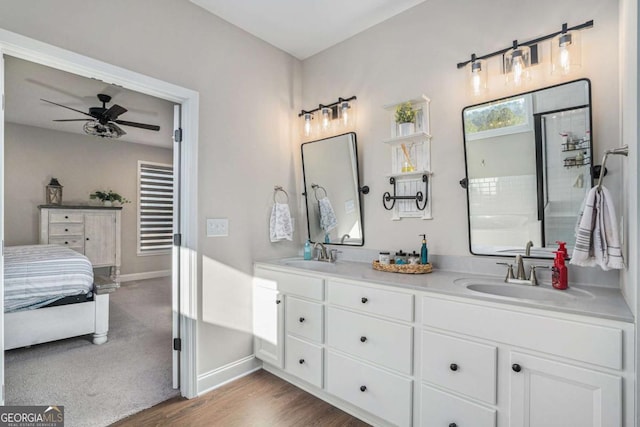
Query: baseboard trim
[[146, 275], [225, 374]]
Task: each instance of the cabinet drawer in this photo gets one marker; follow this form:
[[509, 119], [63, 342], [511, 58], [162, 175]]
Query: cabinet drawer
[[295, 284], [442, 409], [304, 318], [65, 217], [384, 394], [304, 360], [74, 242], [379, 341], [573, 339], [396, 305], [463, 366], [66, 229]]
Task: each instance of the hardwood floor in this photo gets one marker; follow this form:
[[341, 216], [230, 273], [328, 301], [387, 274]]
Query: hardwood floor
[[257, 400]]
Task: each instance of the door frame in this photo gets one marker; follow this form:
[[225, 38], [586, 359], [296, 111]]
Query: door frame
[[186, 254]]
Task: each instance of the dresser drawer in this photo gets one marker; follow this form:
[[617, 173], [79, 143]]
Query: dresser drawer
[[304, 360], [382, 393], [463, 366], [69, 229], [73, 242], [65, 217], [442, 409], [295, 284], [379, 341], [396, 305], [304, 318]]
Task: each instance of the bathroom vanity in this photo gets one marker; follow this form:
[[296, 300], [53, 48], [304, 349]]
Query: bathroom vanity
[[446, 349]]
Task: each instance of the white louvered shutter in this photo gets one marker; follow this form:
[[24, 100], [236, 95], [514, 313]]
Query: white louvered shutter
[[155, 207]]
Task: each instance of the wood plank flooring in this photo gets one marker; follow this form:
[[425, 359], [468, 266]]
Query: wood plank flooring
[[257, 400]]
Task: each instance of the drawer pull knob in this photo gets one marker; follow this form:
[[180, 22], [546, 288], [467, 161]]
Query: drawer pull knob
[[364, 300], [301, 361], [363, 339], [301, 319], [453, 367], [66, 217], [66, 229], [363, 388], [453, 425], [278, 301], [516, 367], [66, 243]]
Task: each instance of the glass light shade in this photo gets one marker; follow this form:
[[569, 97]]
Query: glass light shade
[[516, 66], [325, 119], [478, 77], [565, 53], [307, 125], [347, 114]]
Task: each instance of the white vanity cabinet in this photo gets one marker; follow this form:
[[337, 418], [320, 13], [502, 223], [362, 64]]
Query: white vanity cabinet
[[523, 368]]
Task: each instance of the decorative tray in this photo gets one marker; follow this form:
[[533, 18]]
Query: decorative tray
[[402, 268]]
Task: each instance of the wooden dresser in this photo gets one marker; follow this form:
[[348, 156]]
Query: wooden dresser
[[91, 230]]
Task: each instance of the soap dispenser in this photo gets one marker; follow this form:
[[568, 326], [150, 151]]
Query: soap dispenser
[[562, 247], [424, 252], [559, 275], [307, 250]]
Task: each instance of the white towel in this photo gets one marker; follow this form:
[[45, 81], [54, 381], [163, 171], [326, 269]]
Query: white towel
[[280, 226], [328, 220], [597, 238]]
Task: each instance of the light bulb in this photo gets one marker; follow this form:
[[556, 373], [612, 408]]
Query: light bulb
[[565, 53], [344, 110], [516, 65], [326, 119], [307, 124], [478, 82]]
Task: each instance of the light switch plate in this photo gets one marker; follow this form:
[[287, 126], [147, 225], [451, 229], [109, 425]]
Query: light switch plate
[[217, 227]]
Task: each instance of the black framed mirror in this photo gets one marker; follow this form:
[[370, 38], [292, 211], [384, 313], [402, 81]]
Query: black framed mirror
[[332, 190], [528, 165]]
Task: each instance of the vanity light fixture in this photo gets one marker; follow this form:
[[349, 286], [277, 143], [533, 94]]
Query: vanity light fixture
[[478, 78], [565, 52], [338, 116], [521, 55]]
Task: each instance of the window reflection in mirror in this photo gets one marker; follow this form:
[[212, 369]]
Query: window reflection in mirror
[[528, 168], [331, 187]]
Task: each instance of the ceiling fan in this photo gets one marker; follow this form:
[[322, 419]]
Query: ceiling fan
[[104, 121]]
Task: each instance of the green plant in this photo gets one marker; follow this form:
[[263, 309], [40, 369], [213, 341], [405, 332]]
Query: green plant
[[405, 113], [108, 196]]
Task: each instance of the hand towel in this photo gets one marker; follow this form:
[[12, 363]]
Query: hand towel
[[328, 220], [280, 226], [597, 238]]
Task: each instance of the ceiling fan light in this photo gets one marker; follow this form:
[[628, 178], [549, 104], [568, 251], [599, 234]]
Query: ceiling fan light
[[95, 128]]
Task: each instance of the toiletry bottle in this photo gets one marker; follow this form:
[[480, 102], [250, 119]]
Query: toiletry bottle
[[424, 252], [562, 247], [307, 250], [559, 275]]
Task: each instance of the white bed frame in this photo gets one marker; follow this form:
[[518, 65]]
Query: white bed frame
[[30, 327]]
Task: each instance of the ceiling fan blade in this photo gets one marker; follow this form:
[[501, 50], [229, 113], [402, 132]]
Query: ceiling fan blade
[[138, 125], [72, 120], [68, 108], [114, 111]]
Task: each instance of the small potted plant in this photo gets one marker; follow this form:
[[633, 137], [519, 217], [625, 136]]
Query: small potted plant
[[108, 197], [405, 118]]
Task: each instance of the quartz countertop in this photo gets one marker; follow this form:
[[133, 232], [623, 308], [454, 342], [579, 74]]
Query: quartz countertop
[[593, 301]]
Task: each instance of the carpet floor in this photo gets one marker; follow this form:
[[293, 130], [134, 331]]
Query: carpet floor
[[98, 385]]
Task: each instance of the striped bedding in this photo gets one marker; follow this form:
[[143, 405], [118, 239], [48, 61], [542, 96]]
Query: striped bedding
[[37, 275]]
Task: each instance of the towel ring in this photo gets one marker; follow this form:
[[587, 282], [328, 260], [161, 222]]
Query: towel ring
[[624, 151], [316, 188], [277, 189]]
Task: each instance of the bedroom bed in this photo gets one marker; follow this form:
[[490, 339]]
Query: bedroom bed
[[50, 295]]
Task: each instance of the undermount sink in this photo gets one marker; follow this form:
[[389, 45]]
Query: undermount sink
[[523, 292], [309, 264]]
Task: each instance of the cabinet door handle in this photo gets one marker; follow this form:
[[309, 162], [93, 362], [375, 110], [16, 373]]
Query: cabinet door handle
[[516, 367], [453, 425], [364, 300], [278, 301], [301, 361], [453, 367], [363, 339], [363, 388], [301, 319]]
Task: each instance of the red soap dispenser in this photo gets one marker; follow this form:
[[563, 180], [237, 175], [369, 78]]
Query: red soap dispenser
[[560, 274], [562, 247]]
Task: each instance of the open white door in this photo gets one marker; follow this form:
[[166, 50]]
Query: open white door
[[175, 283], [2, 225]]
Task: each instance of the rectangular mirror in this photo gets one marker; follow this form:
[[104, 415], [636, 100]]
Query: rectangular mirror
[[528, 168], [332, 190]]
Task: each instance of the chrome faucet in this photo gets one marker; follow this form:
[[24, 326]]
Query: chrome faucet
[[520, 277], [527, 248], [344, 236], [322, 252]]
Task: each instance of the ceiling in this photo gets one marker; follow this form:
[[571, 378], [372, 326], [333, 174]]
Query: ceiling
[[26, 83], [305, 27]]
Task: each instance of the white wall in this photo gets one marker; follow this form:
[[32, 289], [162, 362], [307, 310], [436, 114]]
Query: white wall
[[248, 99], [82, 164], [416, 52]]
